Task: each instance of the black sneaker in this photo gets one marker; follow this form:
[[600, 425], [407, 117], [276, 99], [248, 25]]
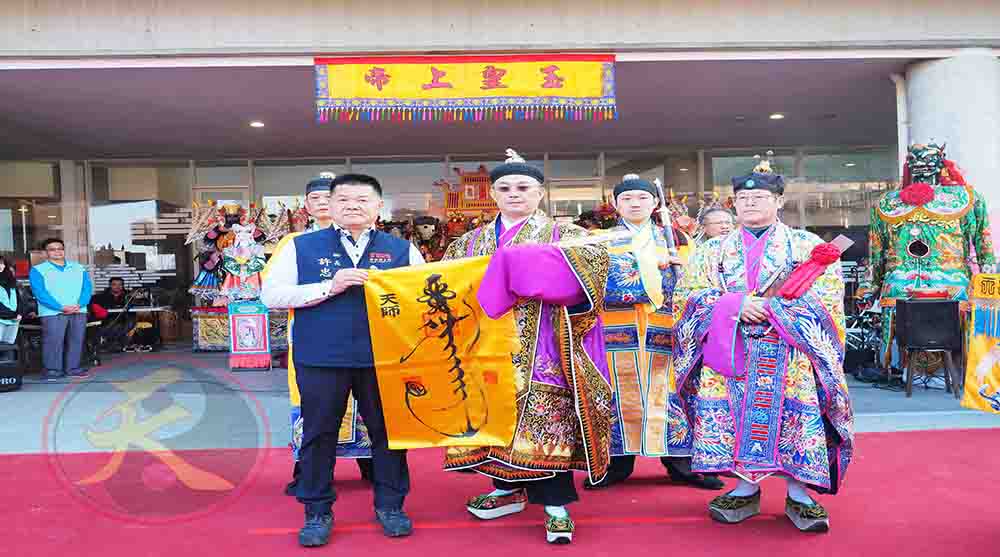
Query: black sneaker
[[316, 531], [51, 375], [608, 481], [681, 473], [79, 374], [394, 522]]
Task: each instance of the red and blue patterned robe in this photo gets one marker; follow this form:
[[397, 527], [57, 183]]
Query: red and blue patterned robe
[[770, 398]]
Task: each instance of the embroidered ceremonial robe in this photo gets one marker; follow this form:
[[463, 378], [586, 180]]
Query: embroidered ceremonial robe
[[647, 417], [561, 377], [767, 398], [949, 227]]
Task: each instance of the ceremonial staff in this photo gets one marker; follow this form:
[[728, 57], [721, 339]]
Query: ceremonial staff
[[667, 226]]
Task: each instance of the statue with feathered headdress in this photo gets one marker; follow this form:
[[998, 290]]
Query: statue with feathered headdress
[[231, 242]]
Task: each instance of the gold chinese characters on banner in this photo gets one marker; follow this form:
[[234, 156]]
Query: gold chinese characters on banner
[[472, 88], [444, 368], [982, 378]]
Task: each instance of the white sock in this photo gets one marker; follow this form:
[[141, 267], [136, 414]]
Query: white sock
[[500, 492], [558, 512], [797, 492], [744, 489]]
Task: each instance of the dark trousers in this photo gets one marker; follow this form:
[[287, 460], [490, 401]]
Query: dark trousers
[[324, 393], [62, 341], [621, 467], [115, 331], [556, 491]]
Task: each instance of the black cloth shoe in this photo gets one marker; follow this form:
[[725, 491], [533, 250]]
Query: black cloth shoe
[[365, 466], [79, 374], [394, 522], [683, 474], [290, 488], [316, 531], [608, 481]]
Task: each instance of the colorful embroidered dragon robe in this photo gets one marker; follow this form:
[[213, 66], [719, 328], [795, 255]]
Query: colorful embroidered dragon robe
[[767, 398], [563, 389], [647, 418], [943, 230]]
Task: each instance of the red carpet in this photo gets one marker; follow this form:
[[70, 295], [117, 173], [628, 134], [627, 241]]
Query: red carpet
[[916, 493]]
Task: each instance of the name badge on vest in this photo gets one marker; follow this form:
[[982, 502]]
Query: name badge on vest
[[378, 257]]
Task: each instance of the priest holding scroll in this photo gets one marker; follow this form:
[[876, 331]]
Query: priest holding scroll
[[759, 352]]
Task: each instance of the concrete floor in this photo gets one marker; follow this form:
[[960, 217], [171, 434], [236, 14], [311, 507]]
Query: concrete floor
[[217, 409]]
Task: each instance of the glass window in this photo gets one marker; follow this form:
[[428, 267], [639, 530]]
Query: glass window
[[645, 164], [678, 173], [572, 197], [224, 173], [222, 196], [409, 188], [834, 191], [574, 185], [573, 166], [139, 216], [845, 167], [7, 231], [285, 182], [29, 208], [681, 175], [725, 167]]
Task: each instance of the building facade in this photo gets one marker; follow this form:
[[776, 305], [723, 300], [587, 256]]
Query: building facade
[[118, 115]]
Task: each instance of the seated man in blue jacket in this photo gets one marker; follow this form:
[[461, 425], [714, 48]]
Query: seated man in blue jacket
[[62, 289]]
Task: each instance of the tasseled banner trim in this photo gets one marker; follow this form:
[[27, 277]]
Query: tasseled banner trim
[[546, 114], [249, 362]]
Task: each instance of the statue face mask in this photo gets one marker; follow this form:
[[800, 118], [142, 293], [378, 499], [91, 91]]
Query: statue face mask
[[231, 215], [425, 231], [925, 162]]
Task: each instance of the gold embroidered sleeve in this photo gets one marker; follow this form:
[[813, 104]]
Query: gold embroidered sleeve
[[590, 264], [457, 248], [697, 274], [877, 241], [978, 228]]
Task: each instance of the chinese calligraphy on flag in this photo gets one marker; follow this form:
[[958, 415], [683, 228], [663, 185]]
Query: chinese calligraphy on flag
[[982, 376], [444, 368], [466, 88]]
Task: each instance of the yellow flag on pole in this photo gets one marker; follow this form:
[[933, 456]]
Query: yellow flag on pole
[[445, 369], [982, 377]]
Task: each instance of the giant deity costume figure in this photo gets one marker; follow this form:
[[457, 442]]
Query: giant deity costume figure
[[923, 235]]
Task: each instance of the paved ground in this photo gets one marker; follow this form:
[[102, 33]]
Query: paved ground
[[250, 409]]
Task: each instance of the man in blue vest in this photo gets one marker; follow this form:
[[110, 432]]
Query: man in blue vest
[[317, 208], [63, 290], [321, 275]]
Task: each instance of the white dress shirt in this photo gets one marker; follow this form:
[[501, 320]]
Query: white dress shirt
[[281, 288]]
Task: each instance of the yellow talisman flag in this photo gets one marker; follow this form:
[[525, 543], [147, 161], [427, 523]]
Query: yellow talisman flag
[[445, 369], [982, 377]]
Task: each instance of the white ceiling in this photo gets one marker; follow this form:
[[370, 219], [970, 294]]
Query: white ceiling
[[203, 113]]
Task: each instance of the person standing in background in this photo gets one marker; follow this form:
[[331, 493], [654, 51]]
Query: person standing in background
[[11, 306], [63, 290]]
